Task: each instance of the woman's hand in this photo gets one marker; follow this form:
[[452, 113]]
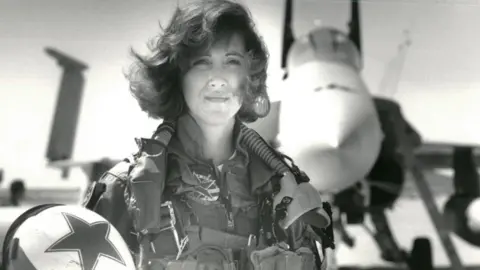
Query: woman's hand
[[210, 259], [209, 266]]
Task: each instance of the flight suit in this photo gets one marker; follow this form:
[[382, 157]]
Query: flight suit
[[211, 206]]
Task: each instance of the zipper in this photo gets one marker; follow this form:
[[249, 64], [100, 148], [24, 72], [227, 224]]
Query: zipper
[[225, 195]]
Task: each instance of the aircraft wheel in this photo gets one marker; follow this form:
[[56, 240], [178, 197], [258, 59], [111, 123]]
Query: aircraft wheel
[[421, 255]]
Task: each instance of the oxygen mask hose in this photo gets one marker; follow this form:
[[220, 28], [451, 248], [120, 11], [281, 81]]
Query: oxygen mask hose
[[253, 141]]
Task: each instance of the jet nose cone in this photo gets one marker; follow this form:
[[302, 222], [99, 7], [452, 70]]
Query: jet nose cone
[[327, 118], [329, 125], [331, 97], [340, 115]]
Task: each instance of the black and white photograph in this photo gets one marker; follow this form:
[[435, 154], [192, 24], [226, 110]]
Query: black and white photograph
[[239, 134]]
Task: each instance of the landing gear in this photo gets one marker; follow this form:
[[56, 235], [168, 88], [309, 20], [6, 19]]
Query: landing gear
[[421, 255], [390, 251]]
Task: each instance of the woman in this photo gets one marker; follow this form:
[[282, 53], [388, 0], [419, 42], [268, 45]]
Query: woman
[[215, 198]]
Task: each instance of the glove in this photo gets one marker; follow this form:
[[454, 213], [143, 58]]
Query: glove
[[279, 258], [210, 259]]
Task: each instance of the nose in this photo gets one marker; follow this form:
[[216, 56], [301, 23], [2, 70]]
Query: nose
[[217, 83]]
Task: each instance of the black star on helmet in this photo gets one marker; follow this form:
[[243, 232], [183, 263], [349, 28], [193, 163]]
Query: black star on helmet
[[89, 240]]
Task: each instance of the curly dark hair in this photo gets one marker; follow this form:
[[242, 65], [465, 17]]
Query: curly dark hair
[[155, 80]]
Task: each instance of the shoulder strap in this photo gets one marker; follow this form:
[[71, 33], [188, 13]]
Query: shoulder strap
[[165, 132], [122, 170], [147, 176]]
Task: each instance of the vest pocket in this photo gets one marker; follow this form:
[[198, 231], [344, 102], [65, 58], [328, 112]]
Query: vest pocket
[[168, 241], [246, 221], [213, 216]]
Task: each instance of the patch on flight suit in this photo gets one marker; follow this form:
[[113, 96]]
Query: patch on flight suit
[[207, 190]]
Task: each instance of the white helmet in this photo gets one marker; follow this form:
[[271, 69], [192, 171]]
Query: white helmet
[[56, 236]]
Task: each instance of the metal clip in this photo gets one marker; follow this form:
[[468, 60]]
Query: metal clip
[[152, 246], [251, 239], [230, 221]]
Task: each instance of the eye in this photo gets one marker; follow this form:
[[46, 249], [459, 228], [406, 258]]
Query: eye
[[234, 61], [201, 62]]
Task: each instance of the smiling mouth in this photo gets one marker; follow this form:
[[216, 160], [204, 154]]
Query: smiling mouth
[[217, 99]]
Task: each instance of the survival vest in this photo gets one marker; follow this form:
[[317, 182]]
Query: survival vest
[[152, 214]]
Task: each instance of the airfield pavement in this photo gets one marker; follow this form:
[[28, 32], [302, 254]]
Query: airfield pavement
[[409, 219]]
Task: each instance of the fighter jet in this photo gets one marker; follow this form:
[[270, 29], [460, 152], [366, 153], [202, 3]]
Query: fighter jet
[[359, 147]]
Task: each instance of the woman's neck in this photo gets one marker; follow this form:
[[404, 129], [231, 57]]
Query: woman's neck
[[217, 141]]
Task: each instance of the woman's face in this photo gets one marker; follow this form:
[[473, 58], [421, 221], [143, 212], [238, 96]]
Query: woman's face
[[214, 83]]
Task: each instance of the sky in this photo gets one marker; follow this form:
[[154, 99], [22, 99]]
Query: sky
[[437, 87]]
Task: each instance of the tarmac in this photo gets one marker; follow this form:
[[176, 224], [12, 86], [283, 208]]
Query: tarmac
[[409, 219]]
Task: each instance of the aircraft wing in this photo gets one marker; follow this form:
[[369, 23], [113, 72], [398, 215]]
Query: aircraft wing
[[440, 155], [92, 168]]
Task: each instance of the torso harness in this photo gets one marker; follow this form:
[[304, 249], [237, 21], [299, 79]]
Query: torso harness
[[149, 209]]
